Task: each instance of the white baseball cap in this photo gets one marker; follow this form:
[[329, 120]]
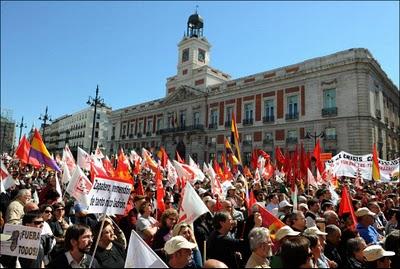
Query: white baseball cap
[[313, 231], [176, 243], [284, 203], [285, 231], [375, 252], [363, 211]]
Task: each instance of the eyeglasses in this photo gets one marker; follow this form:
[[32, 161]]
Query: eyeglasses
[[48, 211], [38, 222]]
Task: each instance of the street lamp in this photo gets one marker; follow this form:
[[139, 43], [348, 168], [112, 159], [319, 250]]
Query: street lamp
[[46, 117], [315, 136], [95, 102], [20, 126]]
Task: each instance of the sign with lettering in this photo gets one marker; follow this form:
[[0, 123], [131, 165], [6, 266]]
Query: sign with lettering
[[23, 242], [346, 164], [109, 196]]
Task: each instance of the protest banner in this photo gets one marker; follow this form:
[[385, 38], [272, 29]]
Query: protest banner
[[79, 186], [109, 196], [23, 242], [346, 164]]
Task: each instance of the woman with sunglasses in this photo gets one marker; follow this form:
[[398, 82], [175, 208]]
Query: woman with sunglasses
[[59, 225], [47, 234]]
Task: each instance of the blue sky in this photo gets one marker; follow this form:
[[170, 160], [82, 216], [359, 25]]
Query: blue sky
[[55, 53]]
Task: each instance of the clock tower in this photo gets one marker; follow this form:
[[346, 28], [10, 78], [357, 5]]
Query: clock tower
[[193, 60], [194, 49]]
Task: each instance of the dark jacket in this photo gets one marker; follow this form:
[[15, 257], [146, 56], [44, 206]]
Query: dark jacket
[[61, 262]]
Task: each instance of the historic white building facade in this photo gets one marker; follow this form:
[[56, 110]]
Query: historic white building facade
[[344, 98], [76, 130]]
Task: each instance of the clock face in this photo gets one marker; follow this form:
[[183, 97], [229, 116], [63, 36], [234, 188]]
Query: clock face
[[202, 55]]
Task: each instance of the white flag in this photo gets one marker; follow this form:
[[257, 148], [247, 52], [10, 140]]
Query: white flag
[[192, 206], [140, 255], [215, 184], [66, 176], [184, 171], [6, 180], [68, 159], [83, 159], [311, 179], [172, 176], [198, 174], [79, 186], [58, 189]]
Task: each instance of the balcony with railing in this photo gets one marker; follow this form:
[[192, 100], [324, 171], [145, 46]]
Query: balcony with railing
[[268, 141], [139, 135], [212, 125], [148, 134], [331, 137], [329, 112], [269, 118], [123, 136], [292, 116], [247, 142], [130, 135], [291, 140], [248, 121]]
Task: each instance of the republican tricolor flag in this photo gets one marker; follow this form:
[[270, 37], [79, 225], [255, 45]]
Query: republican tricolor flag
[[39, 152]]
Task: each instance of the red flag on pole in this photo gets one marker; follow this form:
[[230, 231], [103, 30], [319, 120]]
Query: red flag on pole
[[347, 207], [160, 192], [22, 152]]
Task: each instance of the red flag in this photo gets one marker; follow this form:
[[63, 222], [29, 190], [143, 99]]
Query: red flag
[[137, 168], [346, 206], [279, 156], [160, 191], [139, 190], [376, 173], [317, 155], [96, 171], [254, 159], [108, 167], [218, 206], [178, 157], [268, 170], [246, 172], [252, 200], [269, 220], [218, 169], [264, 154], [22, 152], [227, 175]]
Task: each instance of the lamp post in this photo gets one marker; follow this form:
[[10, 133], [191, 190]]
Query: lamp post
[[46, 117], [94, 102], [315, 136], [20, 126]]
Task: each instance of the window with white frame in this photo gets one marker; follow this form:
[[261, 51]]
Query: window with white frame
[[140, 127], [330, 133], [269, 109], [149, 126], [329, 98], [196, 118], [248, 111], [292, 104], [292, 134], [214, 117], [229, 111], [268, 136], [159, 124]]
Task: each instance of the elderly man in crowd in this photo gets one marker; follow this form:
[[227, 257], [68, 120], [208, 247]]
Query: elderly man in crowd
[[366, 219], [15, 210], [260, 246]]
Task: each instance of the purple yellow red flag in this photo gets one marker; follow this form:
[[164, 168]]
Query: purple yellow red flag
[[40, 153]]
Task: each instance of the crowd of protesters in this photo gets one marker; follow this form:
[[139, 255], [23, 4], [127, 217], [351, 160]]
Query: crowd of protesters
[[230, 235]]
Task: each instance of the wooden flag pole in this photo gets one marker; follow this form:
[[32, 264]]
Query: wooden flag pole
[[97, 240], [204, 251]]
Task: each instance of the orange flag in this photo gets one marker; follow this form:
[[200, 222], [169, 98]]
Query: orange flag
[[122, 170], [139, 190], [376, 173], [346, 206], [108, 167], [251, 201]]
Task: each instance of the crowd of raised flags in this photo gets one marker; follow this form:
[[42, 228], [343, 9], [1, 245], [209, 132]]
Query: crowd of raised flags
[[292, 171]]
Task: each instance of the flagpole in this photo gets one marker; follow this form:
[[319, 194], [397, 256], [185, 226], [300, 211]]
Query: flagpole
[[204, 251], [97, 240]]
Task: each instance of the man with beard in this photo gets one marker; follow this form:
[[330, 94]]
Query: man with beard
[[78, 240]]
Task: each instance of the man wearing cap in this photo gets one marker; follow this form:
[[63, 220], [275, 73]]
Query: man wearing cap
[[377, 257], [179, 251], [284, 208], [365, 228], [280, 235]]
